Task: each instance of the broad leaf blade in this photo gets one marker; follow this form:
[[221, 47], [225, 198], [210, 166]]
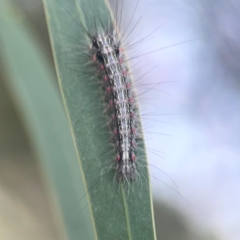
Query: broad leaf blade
[[118, 212]]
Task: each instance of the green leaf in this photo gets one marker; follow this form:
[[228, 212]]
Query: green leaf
[[118, 212], [32, 88]]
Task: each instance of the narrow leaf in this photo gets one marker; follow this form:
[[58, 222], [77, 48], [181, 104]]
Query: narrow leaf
[[118, 211]]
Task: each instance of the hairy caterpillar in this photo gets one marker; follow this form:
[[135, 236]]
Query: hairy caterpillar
[[119, 95]]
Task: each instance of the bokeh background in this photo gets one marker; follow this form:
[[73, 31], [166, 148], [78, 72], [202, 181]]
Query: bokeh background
[[200, 114]]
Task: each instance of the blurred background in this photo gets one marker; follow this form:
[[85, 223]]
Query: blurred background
[[198, 109]]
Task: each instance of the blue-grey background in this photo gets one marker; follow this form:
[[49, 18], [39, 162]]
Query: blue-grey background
[[202, 154]]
